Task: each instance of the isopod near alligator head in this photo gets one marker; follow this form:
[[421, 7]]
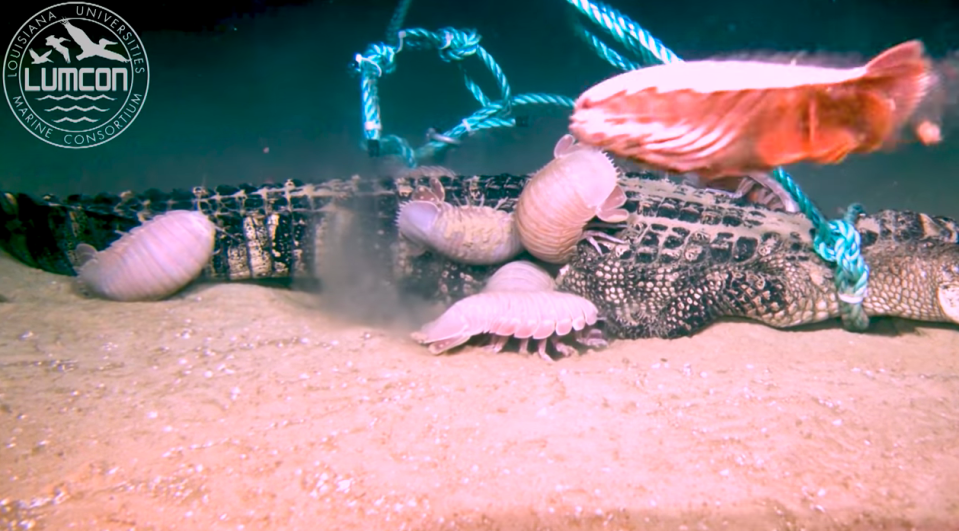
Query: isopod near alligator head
[[558, 202], [474, 235], [152, 261], [518, 301]]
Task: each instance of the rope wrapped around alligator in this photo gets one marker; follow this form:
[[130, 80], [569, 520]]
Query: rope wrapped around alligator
[[679, 259]]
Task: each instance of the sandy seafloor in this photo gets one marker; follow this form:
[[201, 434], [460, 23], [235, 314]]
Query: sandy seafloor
[[242, 407]]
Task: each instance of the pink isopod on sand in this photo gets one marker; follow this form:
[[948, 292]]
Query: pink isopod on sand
[[473, 235], [152, 261], [518, 301], [559, 201]]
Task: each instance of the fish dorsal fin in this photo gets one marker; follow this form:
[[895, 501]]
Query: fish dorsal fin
[[83, 254], [894, 58]]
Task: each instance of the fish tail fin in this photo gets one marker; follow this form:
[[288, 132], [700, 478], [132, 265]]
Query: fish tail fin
[[907, 76]]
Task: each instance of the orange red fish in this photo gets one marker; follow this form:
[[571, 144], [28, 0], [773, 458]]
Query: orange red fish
[[726, 118]]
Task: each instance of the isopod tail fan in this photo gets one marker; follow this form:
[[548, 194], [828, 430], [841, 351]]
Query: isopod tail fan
[[611, 210]]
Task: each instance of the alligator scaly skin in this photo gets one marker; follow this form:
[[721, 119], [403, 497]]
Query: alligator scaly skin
[[693, 255], [271, 231]]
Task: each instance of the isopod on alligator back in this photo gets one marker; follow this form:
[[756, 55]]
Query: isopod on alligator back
[[580, 183], [473, 235], [517, 302], [152, 261]]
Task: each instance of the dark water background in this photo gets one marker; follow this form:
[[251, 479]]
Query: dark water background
[[231, 79]]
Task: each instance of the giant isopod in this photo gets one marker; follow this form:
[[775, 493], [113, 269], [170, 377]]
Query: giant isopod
[[473, 235], [519, 301], [520, 276], [152, 261], [558, 202]]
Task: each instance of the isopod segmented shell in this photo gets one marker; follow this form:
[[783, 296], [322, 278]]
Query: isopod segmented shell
[[580, 183], [152, 261], [473, 235], [520, 276], [517, 302], [520, 314]]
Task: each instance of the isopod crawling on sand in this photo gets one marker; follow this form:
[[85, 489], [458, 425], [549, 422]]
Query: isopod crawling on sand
[[152, 261], [473, 235], [518, 301]]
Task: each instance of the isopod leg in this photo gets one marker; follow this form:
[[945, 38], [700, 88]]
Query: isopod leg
[[541, 346], [562, 348], [593, 237], [591, 337], [524, 345], [496, 343], [767, 181]]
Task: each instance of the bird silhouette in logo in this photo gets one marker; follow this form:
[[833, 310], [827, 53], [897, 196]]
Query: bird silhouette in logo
[[54, 42], [90, 49], [40, 59]]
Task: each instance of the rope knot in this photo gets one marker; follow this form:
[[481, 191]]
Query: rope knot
[[457, 45], [841, 244], [379, 59]]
